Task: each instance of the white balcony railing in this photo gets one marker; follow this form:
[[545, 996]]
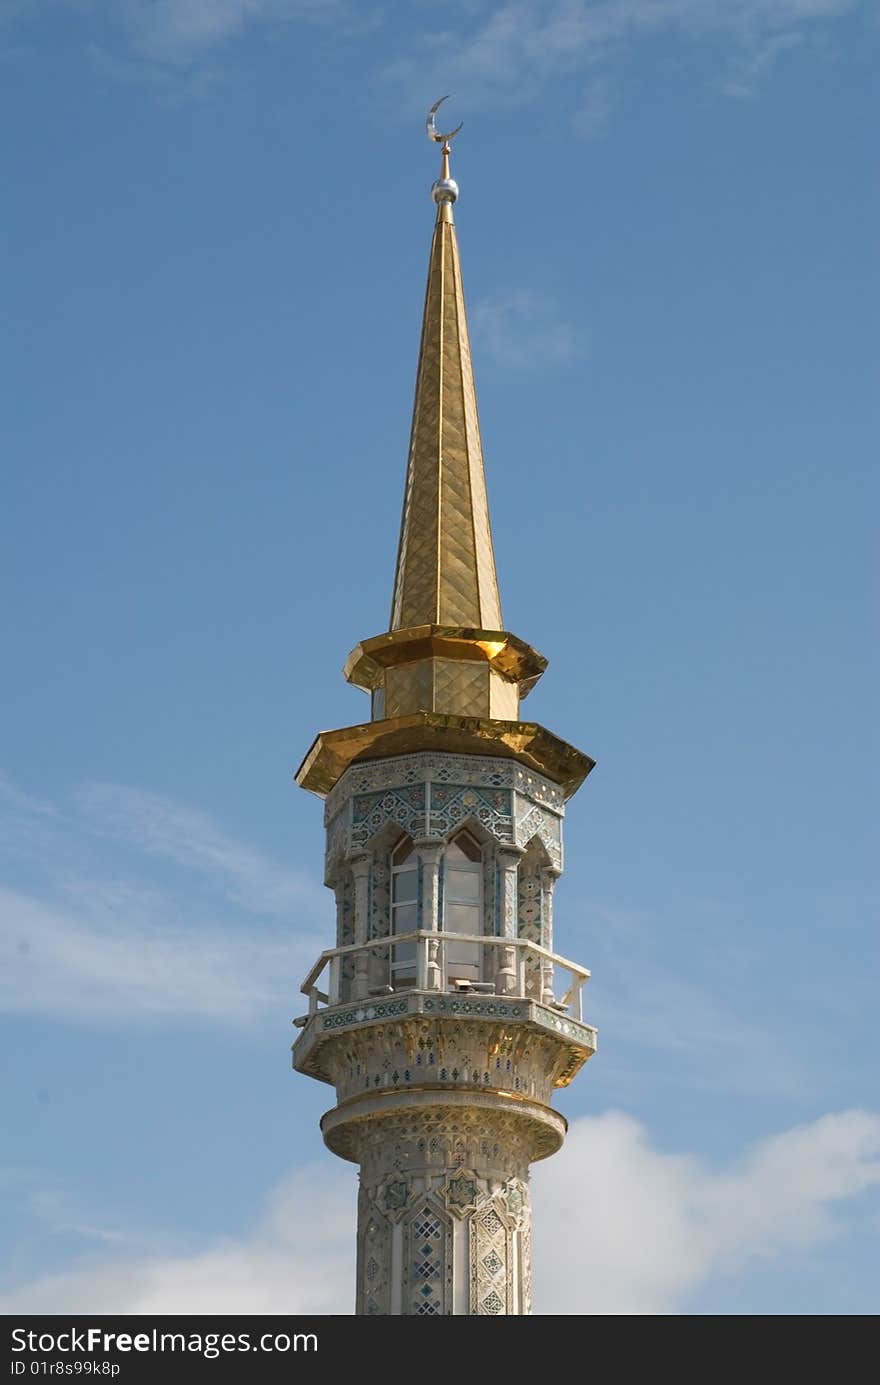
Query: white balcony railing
[[513, 967]]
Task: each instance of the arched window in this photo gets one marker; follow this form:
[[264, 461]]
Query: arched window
[[404, 908], [463, 905]]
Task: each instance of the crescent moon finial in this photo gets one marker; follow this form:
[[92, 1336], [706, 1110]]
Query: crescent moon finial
[[431, 126]]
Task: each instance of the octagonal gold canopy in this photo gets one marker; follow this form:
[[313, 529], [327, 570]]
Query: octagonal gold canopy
[[332, 752], [511, 657]]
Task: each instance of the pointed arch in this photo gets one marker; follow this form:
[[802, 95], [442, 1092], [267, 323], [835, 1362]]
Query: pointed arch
[[475, 829], [385, 838]]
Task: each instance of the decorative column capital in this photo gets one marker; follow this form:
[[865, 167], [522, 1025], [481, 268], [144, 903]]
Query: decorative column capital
[[430, 849], [510, 856], [360, 866]]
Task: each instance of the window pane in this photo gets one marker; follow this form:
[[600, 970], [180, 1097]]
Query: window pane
[[404, 957], [461, 918], [463, 884], [404, 918], [463, 961], [406, 884]]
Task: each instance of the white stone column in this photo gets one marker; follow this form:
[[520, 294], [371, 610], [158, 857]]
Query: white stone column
[[360, 869], [429, 973], [507, 975], [548, 884]]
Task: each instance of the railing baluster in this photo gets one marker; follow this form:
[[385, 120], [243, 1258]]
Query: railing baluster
[[422, 961], [333, 988]]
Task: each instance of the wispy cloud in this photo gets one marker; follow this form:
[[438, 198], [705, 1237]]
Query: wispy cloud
[[136, 907], [266, 1271], [507, 53], [591, 115], [647, 1011], [157, 826], [179, 30], [523, 330], [81, 965], [489, 52], [175, 46], [11, 796], [620, 1228], [172, 84], [748, 70]]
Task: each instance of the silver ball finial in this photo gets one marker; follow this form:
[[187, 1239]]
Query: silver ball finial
[[445, 190]]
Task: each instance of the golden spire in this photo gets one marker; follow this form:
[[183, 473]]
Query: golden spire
[[445, 675], [445, 562]]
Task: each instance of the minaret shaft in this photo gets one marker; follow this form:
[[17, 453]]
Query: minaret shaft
[[448, 1230]]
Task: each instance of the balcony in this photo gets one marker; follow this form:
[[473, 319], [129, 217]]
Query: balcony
[[430, 976], [448, 963]]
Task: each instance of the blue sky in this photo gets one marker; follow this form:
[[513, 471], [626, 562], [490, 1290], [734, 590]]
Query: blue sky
[[215, 233]]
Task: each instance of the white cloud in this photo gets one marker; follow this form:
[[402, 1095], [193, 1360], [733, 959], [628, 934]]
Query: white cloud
[[620, 1228], [172, 84], [508, 52], [592, 114], [495, 53], [100, 932], [637, 1231], [523, 329], [23, 802], [749, 69], [160, 827], [298, 1259], [104, 964], [647, 1010], [175, 31]]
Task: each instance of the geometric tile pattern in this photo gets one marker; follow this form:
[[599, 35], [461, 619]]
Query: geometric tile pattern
[[374, 1254], [491, 1288], [430, 795], [427, 1255], [442, 766]]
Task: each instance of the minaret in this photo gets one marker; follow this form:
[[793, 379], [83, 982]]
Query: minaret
[[442, 1016]]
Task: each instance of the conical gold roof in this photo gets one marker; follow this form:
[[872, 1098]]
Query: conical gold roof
[[445, 562]]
